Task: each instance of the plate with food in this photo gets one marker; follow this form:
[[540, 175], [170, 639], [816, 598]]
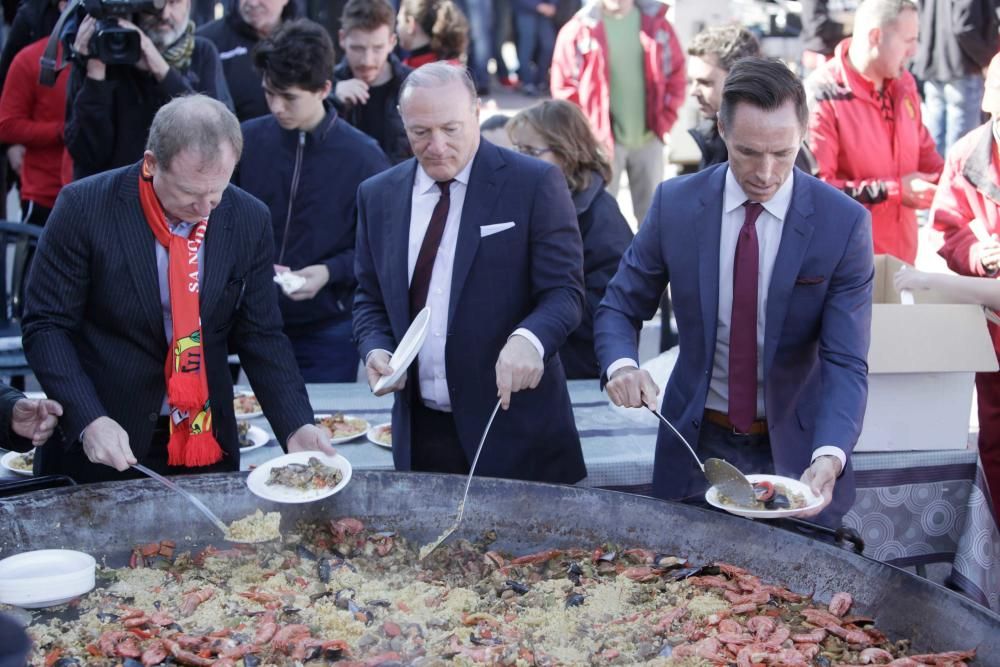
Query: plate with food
[[21, 464], [251, 437], [300, 477], [777, 497], [342, 427], [381, 435], [246, 406]]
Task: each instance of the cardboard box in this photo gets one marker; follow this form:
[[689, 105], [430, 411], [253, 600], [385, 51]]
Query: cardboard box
[[921, 368]]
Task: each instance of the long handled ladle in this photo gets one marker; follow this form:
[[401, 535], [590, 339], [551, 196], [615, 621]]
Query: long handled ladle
[[200, 506], [730, 482], [428, 548]]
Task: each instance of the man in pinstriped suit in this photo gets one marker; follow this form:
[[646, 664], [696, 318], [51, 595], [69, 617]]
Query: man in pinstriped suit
[[99, 306]]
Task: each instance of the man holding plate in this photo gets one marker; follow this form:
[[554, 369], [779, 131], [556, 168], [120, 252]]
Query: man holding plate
[[146, 277], [488, 240]]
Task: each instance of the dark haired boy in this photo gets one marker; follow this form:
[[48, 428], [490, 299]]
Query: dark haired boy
[[306, 164]]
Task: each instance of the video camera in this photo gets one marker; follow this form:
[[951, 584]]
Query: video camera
[[111, 43]]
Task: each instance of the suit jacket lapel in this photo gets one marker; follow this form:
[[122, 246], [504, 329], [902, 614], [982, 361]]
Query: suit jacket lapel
[[395, 223], [795, 236], [139, 246], [217, 257], [481, 195], [709, 225]]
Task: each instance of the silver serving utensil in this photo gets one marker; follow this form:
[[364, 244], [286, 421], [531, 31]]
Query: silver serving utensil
[[730, 482], [428, 548], [200, 506]]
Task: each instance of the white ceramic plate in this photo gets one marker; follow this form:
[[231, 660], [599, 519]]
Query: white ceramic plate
[[407, 349], [257, 480], [245, 415], [376, 431], [7, 462], [46, 577], [712, 496], [345, 438], [257, 436]]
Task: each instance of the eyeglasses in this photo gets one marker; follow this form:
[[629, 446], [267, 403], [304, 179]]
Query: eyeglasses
[[531, 150]]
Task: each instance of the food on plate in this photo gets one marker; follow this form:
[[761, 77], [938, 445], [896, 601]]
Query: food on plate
[[384, 435], [243, 433], [340, 590], [771, 496], [23, 462], [340, 426], [258, 527], [245, 404], [306, 476]]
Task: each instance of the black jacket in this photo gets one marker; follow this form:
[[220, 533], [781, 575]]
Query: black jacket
[[107, 121], [957, 38], [713, 148], [235, 40], [34, 19], [606, 235], [393, 140], [316, 223]]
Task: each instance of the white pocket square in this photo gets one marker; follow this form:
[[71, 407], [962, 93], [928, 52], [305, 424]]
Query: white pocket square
[[489, 230]]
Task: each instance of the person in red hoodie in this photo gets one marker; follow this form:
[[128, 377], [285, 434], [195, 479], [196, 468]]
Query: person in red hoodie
[[966, 210], [865, 127], [33, 116], [622, 64]]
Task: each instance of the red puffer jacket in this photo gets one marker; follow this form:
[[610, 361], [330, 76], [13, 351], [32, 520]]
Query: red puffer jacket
[[865, 152], [580, 71], [967, 201]]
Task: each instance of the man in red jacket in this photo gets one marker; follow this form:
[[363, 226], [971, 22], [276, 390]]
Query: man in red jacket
[[967, 210], [865, 127], [33, 115], [622, 64]]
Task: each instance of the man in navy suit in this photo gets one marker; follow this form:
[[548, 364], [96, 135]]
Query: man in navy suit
[[488, 240], [771, 273], [102, 301]]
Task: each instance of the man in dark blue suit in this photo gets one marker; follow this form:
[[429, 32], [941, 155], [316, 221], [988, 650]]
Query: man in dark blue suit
[[128, 256], [488, 240], [771, 273]]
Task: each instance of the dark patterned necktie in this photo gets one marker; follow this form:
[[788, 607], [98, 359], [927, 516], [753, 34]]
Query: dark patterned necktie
[[743, 324], [421, 281]]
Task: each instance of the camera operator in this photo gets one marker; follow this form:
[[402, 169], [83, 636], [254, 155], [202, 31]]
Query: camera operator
[[112, 106]]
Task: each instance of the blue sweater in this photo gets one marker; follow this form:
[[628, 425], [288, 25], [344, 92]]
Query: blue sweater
[[319, 228]]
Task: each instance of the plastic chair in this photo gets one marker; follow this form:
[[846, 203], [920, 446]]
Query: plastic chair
[[18, 242]]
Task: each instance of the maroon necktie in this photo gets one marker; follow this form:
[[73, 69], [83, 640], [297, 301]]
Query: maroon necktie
[[421, 281], [743, 324]]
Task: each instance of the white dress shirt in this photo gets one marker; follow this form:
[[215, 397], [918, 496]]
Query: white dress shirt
[[769, 228]]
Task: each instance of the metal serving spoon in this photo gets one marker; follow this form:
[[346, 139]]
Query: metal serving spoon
[[428, 548], [730, 482], [200, 506]]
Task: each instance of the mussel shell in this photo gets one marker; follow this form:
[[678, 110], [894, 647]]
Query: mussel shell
[[668, 562], [250, 660], [666, 651], [517, 587], [779, 502], [575, 600], [107, 617], [608, 557], [131, 662], [66, 662], [305, 553], [344, 598]]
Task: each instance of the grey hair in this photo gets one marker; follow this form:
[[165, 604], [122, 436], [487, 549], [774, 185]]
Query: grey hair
[[880, 13], [193, 122], [437, 75]]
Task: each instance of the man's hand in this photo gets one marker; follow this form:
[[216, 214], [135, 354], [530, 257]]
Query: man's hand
[[105, 442], [311, 438], [632, 388], [546, 9], [518, 367], [317, 276], [376, 367], [151, 59], [352, 92], [15, 156], [35, 419], [96, 70], [988, 252], [918, 190], [821, 477]]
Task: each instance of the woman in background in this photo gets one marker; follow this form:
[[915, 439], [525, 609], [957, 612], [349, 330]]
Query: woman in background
[[557, 131], [432, 30]]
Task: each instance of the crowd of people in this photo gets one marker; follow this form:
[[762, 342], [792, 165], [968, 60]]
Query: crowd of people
[[234, 188]]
